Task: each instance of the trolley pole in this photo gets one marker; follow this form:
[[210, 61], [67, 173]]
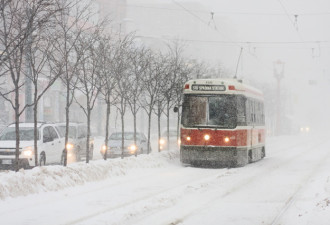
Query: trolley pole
[[278, 74]]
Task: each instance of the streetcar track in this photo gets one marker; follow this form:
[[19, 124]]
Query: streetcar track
[[250, 180], [293, 197], [109, 209]]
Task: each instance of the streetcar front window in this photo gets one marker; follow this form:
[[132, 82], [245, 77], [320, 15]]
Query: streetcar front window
[[209, 111]]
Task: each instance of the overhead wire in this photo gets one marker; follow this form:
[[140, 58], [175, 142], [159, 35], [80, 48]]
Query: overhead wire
[[231, 13], [240, 44]]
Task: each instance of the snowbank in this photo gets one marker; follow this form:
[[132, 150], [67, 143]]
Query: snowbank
[[53, 178]]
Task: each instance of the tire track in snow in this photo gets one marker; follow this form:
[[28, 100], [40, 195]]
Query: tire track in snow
[[249, 180]]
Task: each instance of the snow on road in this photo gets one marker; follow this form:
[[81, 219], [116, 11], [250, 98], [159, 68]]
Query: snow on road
[[290, 186]]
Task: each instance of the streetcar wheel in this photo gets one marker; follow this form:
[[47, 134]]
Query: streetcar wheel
[[263, 153], [250, 156]]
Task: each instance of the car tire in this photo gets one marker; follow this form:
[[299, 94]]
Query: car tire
[[62, 158], [42, 160]]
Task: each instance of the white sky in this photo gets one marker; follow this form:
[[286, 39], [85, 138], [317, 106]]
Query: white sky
[[252, 21]]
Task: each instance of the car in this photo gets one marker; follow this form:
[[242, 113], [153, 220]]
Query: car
[[50, 145], [77, 141], [173, 142], [114, 148]]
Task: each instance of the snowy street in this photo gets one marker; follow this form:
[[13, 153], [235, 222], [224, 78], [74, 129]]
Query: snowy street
[[290, 186]]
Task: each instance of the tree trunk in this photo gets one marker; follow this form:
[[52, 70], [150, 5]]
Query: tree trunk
[[168, 125], [17, 128], [122, 134], [107, 128], [149, 125], [134, 125], [88, 132], [178, 125], [158, 121], [67, 108], [35, 121]]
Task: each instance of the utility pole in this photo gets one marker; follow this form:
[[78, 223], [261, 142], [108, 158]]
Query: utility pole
[[278, 74]]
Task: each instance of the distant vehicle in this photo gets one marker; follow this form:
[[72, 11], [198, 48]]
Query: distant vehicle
[[173, 140], [77, 141], [114, 148], [222, 123], [50, 145], [305, 129]]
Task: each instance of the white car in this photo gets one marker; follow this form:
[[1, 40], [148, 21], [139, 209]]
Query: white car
[[50, 145], [77, 141]]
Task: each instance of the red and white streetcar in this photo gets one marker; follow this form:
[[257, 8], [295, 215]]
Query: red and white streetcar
[[223, 123]]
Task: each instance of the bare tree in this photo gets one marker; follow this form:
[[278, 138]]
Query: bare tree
[[19, 19], [120, 67], [89, 82], [152, 87], [176, 62], [38, 54], [139, 63], [70, 24], [160, 103], [105, 52]]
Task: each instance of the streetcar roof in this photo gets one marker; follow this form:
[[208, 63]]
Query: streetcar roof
[[221, 86]]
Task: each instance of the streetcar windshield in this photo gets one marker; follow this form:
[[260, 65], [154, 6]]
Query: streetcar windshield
[[209, 111]]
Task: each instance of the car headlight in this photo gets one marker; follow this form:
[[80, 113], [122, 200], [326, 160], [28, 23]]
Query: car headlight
[[161, 141], [132, 148], [104, 148], [28, 151], [69, 146]]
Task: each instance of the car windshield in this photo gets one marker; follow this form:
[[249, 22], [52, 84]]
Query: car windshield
[[127, 136], [209, 111], [72, 131], [25, 134]]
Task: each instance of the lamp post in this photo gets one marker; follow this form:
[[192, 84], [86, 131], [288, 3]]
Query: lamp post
[[278, 74]]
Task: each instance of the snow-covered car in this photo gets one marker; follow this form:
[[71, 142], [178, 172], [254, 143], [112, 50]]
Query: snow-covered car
[[114, 148], [173, 142], [50, 145], [77, 141]]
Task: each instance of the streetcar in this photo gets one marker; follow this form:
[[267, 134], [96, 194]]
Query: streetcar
[[222, 124]]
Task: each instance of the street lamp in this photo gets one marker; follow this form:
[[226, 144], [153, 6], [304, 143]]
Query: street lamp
[[278, 74]]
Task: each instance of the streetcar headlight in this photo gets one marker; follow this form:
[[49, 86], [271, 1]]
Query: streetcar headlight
[[28, 151], [226, 139], [307, 129], [179, 142], [69, 146], [188, 138], [206, 137]]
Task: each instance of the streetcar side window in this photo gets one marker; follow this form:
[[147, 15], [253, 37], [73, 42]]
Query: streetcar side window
[[241, 118]]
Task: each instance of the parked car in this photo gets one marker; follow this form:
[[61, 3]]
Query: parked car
[[50, 145], [114, 148], [173, 143], [77, 141]]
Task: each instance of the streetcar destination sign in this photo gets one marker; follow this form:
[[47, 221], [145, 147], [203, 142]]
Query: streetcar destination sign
[[207, 87]]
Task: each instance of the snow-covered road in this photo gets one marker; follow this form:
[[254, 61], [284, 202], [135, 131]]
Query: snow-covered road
[[290, 186]]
